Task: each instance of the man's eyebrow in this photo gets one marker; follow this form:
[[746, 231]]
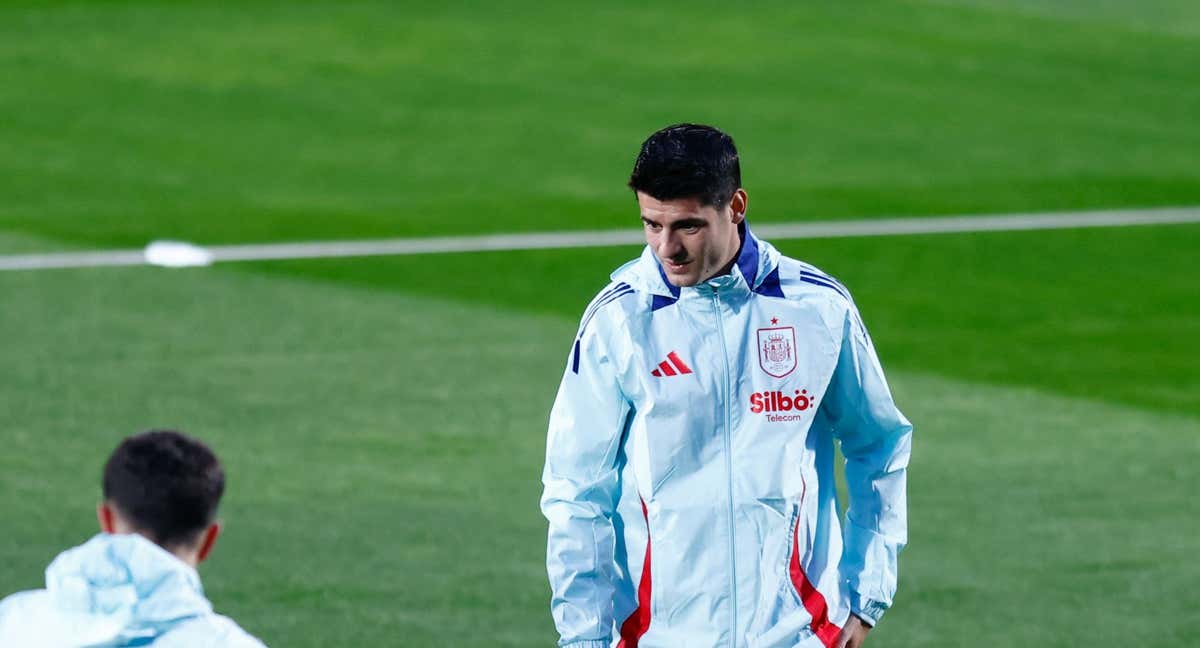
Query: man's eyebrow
[[679, 224]]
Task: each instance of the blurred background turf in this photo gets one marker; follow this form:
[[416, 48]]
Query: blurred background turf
[[223, 122]]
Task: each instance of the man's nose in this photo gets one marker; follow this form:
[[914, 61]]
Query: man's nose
[[668, 244]]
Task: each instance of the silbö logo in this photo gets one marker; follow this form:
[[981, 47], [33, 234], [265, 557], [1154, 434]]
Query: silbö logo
[[776, 401]]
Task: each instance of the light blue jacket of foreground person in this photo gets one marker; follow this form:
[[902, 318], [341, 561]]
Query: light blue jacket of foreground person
[[689, 477], [118, 590]]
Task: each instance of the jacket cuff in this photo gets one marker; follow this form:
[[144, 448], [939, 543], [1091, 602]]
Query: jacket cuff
[[867, 609], [588, 643]]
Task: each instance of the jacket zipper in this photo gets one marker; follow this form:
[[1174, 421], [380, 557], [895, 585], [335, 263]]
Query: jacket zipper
[[728, 465]]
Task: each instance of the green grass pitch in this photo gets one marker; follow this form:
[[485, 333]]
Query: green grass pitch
[[382, 420]]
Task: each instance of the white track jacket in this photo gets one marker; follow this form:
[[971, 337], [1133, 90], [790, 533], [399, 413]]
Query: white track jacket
[[689, 477]]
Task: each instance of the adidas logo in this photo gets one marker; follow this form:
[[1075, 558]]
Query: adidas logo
[[672, 366]]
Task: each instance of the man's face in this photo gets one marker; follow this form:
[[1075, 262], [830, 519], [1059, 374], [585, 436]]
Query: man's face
[[693, 242]]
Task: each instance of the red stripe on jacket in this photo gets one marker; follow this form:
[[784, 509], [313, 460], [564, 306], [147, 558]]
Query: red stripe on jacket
[[679, 363], [812, 599], [639, 622]]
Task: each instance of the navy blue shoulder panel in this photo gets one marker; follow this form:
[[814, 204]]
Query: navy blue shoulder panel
[[770, 286], [660, 301]]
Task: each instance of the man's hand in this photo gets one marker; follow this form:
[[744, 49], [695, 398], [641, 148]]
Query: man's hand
[[854, 633]]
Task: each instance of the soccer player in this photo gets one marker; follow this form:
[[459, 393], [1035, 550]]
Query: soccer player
[[689, 477], [135, 584]]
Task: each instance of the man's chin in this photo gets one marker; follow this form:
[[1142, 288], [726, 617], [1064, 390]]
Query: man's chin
[[682, 280]]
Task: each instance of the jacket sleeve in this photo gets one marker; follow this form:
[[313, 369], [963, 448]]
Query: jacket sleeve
[[581, 480], [875, 440]]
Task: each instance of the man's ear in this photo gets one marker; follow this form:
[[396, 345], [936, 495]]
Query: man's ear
[[208, 541], [738, 205], [106, 517]]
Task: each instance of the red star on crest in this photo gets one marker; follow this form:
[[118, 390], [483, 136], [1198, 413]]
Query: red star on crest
[[774, 320]]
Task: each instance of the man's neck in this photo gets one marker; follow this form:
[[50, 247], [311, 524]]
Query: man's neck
[[184, 553], [726, 269], [737, 253]]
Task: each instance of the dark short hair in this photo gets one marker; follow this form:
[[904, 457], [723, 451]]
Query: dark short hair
[[688, 161], [166, 484]]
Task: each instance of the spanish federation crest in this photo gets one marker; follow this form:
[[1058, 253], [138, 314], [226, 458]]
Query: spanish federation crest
[[777, 350]]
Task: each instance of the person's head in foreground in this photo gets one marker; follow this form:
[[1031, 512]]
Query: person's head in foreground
[[164, 487], [688, 184], [135, 583]]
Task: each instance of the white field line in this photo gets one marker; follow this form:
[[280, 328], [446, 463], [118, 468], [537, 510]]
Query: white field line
[[555, 240]]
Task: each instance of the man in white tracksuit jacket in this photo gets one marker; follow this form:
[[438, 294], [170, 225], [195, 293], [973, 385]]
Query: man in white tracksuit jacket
[[135, 584], [689, 477]]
